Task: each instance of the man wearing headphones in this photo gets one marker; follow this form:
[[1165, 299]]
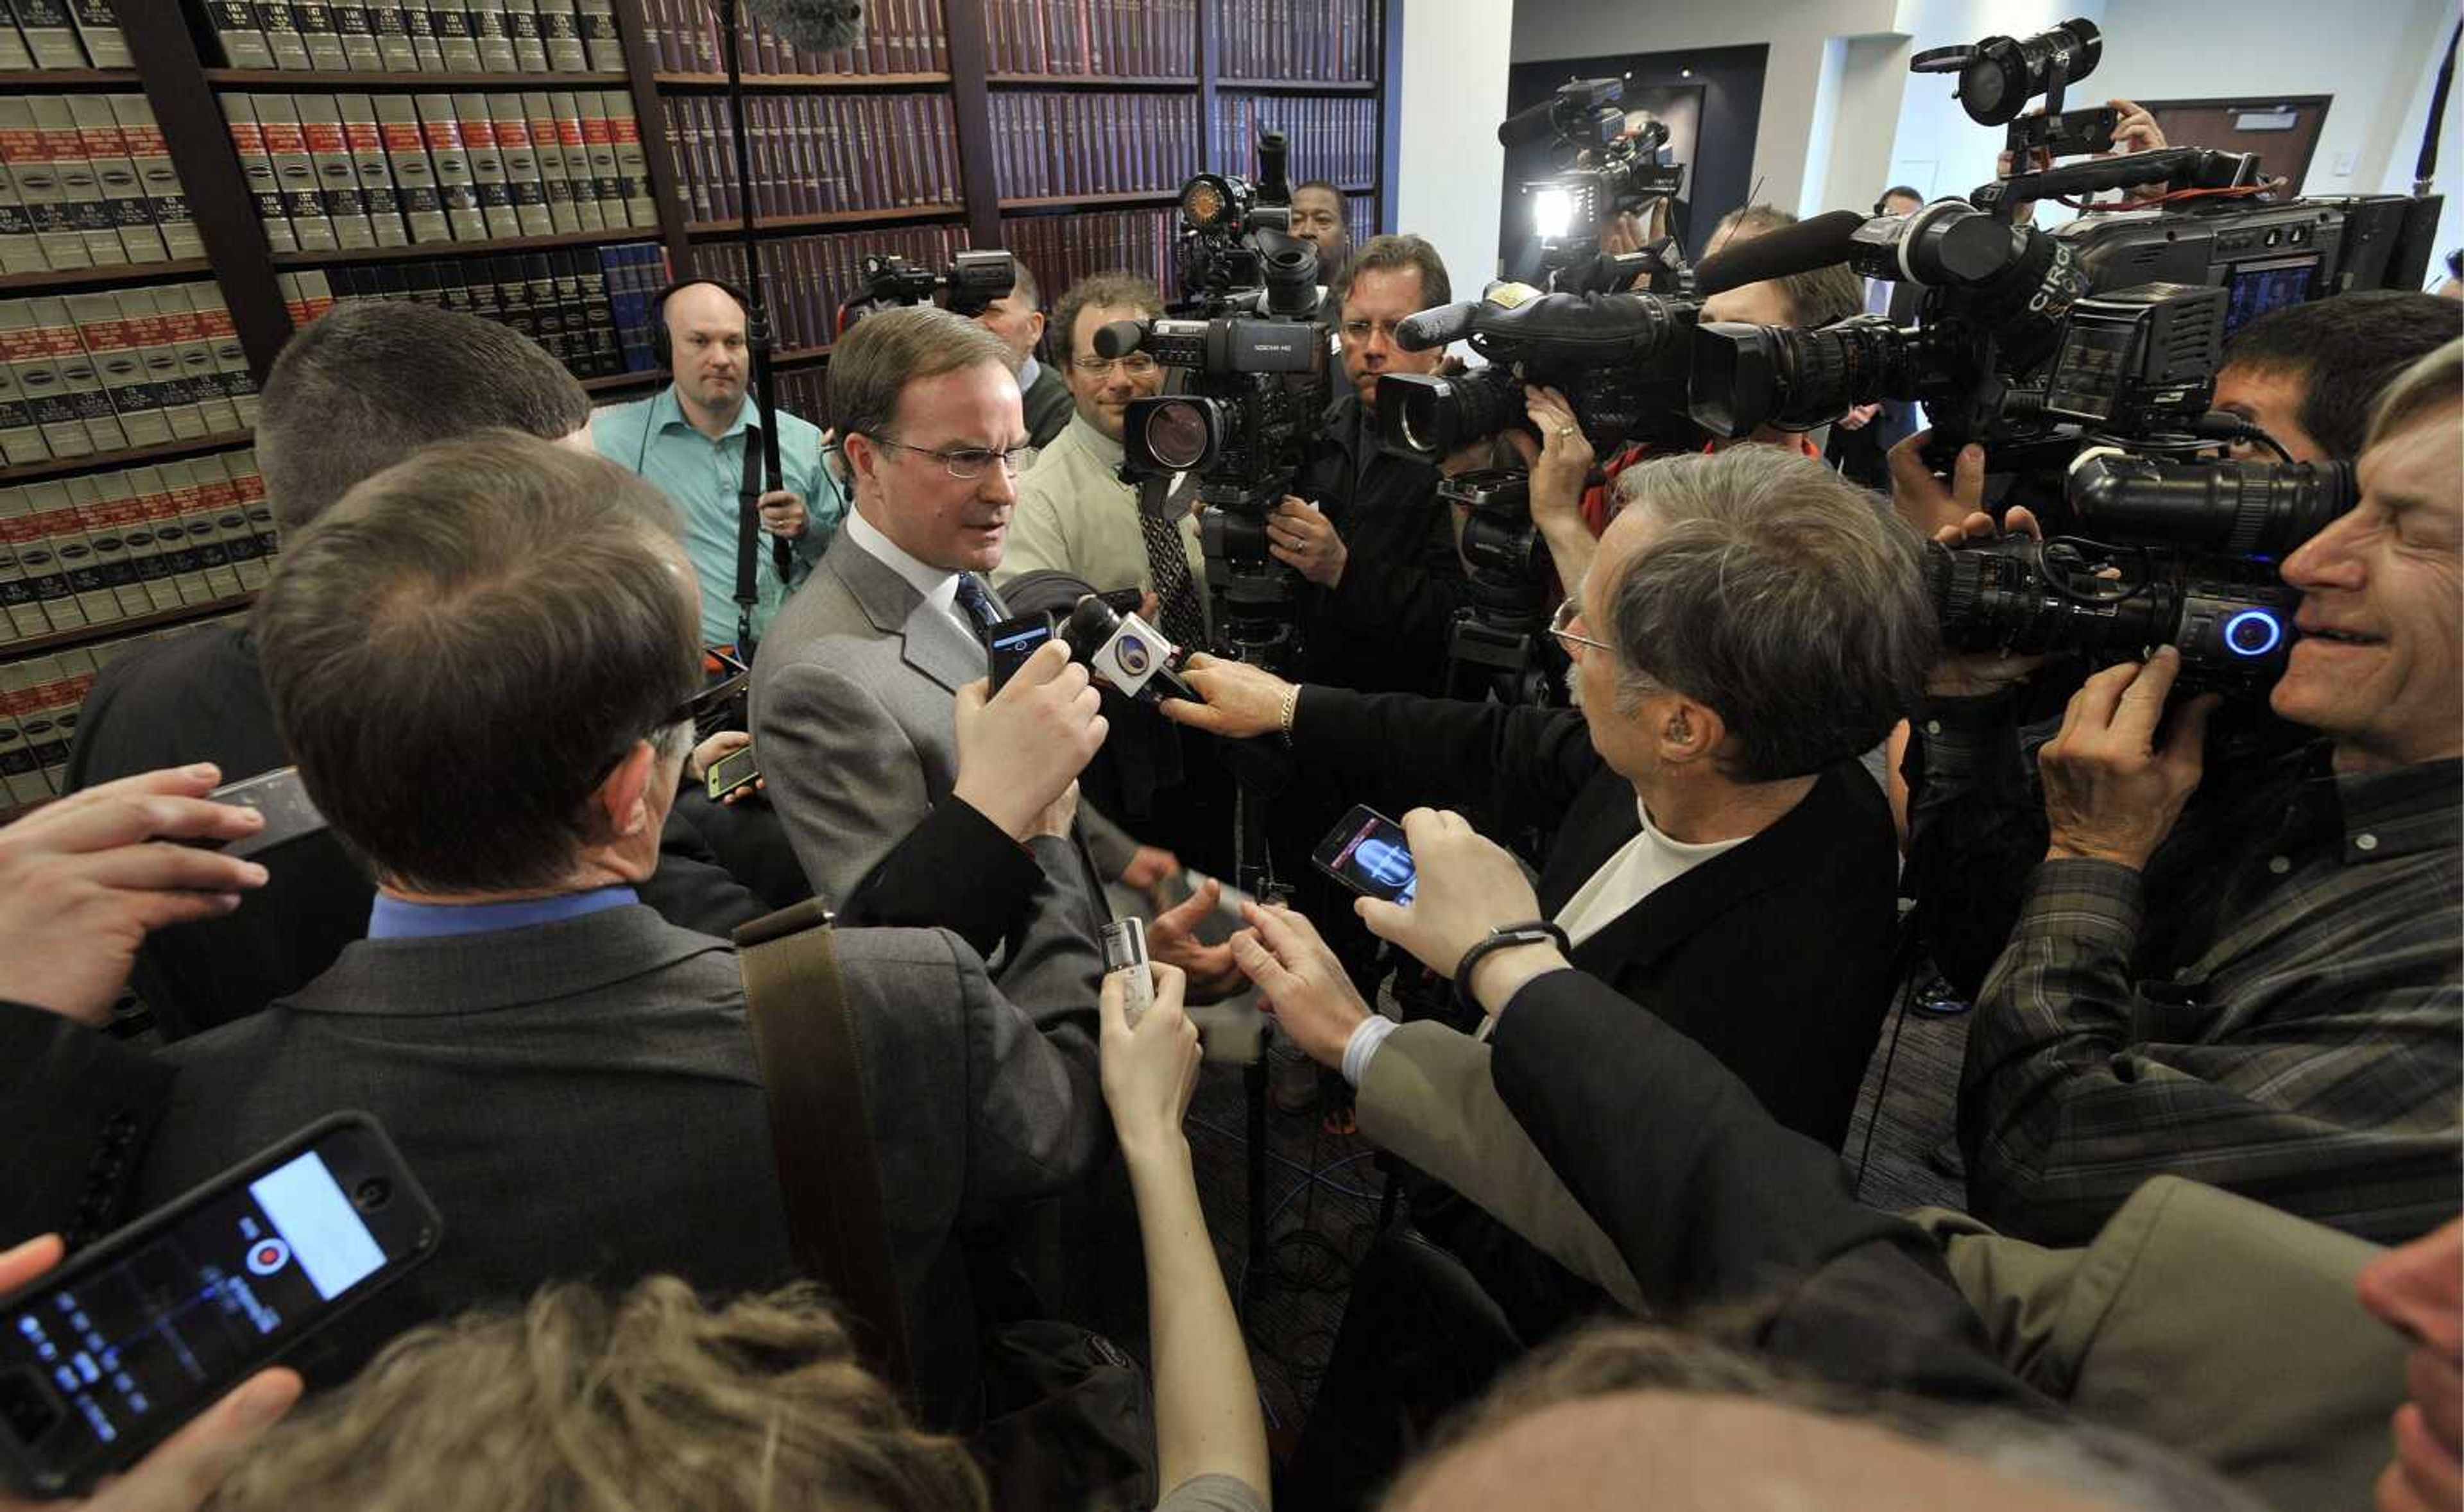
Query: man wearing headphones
[[693, 440]]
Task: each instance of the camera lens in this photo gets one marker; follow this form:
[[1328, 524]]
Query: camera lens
[[1176, 436], [372, 1194]]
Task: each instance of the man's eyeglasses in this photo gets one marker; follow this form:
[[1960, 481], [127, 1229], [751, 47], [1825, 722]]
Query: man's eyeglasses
[[704, 710], [1137, 364], [1568, 611], [966, 464], [1363, 330]]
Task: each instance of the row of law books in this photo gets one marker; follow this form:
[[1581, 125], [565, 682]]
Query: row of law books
[[1048, 145], [900, 36], [804, 279], [815, 153], [60, 33], [589, 307], [40, 697], [347, 172], [86, 182], [1064, 249], [1335, 40], [418, 37], [87, 552], [88, 375], [1122, 38], [1329, 139]]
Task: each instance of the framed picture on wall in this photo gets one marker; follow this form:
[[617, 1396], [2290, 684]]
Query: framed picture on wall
[[2283, 130]]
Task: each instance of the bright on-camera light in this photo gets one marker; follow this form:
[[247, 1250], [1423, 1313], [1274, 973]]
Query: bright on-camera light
[[1553, 212]]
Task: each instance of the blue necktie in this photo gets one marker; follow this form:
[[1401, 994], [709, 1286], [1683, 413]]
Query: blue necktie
[[977, 602]]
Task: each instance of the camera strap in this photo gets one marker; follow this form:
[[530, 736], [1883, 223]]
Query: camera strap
[[803, 1038]]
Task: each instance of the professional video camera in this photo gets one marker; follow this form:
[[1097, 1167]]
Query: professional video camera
[[2031, 342], [2190, 567], [1492, 642], [1621, 359], [1613, 173], [1238, 253], [1254, 392], [973, 280]]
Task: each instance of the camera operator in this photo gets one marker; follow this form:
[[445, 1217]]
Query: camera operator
[[570, 1074], [1376, 544], [1017, 318], [2247, 980], [1317, 218], [1751, 624]]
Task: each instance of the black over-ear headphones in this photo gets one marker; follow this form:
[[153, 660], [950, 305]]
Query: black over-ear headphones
[[660, 346]]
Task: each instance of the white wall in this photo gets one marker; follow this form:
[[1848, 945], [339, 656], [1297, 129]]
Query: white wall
[[1454, 94], [1797, 106]]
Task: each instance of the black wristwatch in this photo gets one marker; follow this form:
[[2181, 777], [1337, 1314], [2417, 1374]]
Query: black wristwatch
[[1503, 937]]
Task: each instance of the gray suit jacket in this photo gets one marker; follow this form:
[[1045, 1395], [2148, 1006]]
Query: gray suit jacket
[[855, 693], [581, 1099]]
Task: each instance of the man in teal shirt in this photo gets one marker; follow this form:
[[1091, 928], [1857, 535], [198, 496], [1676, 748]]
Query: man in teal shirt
[[689, 441]]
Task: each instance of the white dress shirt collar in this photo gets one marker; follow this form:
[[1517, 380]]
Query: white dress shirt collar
[[939, 588]]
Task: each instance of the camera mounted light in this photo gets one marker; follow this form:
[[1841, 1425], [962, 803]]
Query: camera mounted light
[[1210, 201], [1553, 211]]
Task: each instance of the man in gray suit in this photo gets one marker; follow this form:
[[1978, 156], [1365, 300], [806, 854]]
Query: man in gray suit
[[868, 687], [484, 661]]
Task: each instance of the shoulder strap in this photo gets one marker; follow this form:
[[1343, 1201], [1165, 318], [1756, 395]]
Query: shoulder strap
[[804, 1036]]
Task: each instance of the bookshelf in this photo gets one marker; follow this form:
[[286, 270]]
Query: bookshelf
[[931, 119]]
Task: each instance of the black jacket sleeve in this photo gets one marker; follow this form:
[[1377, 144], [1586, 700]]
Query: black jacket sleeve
[[1714, 1205], [1512, 767], [76, 1109], [1976, 831], [956, 871]]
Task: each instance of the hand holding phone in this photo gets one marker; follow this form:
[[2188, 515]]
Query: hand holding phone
[[1125, 956], [1366, 852], [1011, 642], [106, 1356], [737, 769], [281, 799]]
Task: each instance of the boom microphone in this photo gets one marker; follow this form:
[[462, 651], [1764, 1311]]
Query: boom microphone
[[1775, 254], [819, 26], [1531, 123]]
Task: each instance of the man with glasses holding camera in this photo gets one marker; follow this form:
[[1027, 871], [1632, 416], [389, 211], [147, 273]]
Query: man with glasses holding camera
[[1369, 531], [1075, 512]]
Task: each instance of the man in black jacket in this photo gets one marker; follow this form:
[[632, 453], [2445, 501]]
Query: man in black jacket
[[1751, 624], [1367, 530]]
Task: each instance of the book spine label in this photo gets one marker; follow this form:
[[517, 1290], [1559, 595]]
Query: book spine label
[[455, 188]]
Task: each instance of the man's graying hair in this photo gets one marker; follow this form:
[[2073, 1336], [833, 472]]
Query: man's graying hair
[[887, 352], [1787, 598]]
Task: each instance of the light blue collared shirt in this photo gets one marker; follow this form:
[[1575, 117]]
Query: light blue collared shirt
[[392, 918], [701, 476]]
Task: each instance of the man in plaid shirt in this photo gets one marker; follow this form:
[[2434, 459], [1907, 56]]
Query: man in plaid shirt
[[2265, 996]]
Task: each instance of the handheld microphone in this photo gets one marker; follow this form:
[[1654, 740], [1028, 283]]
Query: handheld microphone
[[1137, 660], [1775, 254], [816, 25]]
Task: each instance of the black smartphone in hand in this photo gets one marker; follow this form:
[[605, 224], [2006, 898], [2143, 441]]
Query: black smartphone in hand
[[110, 1354], [1366, 852], [1011, 642]]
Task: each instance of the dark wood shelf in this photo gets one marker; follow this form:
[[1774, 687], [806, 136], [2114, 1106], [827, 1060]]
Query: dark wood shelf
[[1095, 81], [802, 81], [506, 244], [285, 77], [88, 634], [795, 355], [115, 272], [1299, 86], [135, 457], [607, 381], [1360, 188], [822, 220], [71, 78], [1079, 201]]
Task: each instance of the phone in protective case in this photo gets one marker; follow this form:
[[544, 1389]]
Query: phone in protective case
[[1366, 852], [1010, 643], [734, 770], [104, 1357]]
